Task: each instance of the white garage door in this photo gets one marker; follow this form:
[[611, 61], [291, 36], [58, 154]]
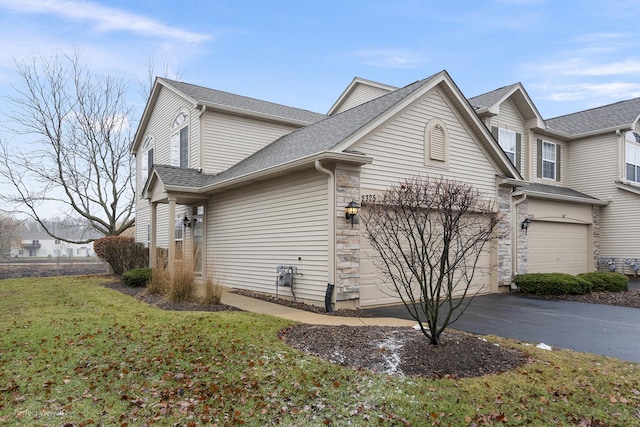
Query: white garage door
[[556, 247], [374, 291]]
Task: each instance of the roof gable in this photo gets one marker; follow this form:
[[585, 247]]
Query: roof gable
[[489, 103], [225, 101], [376, 89], [620, 115]]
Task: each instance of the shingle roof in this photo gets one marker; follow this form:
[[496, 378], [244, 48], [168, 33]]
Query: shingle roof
[[555, 190], [612, 116], [321, 136], [180, 177], [316, 138], [216, 97], [488, 99]]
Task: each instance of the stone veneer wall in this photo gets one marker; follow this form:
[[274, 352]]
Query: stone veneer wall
[[522, 250], [504, 241], [596, 212], [347, 236]]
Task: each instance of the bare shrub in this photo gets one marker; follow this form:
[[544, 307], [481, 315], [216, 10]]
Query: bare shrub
[[159, 283], [428, 235], [183, 287], [212, 288]]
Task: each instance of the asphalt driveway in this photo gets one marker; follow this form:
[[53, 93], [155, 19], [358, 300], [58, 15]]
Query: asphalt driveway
[[592, 328]]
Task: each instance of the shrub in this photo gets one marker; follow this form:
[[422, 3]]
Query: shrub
[[552, 284], [159, 282], [604, 281], [121, 253], [183, 288], [137, 278], [212, 289]]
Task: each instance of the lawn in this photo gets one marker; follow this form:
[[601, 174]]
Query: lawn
[[75, 353]]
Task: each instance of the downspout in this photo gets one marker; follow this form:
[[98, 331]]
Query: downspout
[[201, 138], [514, 248], [331, 276]]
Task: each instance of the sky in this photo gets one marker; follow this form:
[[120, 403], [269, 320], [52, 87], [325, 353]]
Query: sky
[[570, 55]]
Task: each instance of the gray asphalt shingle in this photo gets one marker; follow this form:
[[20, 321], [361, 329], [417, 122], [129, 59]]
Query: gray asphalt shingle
[[216, 97], [611, 116]]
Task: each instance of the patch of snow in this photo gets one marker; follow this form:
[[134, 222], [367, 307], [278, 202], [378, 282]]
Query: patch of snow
[[390, 348], [544, 346]]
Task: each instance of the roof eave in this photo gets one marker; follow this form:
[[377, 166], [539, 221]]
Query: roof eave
[[249, 113], [564, 198], [357, 159]]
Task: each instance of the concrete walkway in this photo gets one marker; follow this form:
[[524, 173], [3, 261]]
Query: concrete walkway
[[255, 305]]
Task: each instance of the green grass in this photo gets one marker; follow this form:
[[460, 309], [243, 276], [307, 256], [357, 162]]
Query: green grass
[[75, 353]]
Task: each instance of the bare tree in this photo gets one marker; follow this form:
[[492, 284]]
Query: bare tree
[[9, 234], [429, 235], [74, 134]]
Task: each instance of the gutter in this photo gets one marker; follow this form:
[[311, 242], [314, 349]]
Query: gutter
[[325, 155], [331, 276], [549, 196]]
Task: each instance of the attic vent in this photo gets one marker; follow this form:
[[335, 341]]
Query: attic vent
[[437, 146]]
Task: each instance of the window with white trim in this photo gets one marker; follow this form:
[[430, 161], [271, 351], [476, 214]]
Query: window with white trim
[[179, 227], [179, 155], [507, 141], [549, 160], [146, 161], [632, 156]]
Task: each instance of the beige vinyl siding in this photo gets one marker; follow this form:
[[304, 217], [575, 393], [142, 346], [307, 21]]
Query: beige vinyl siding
[[279, 222], [164, 112], [230, 138], [510, 119], [594, 169], [398, 150], [361, 93], [618, 236]]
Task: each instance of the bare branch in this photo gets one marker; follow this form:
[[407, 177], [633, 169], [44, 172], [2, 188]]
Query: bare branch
[[73, 132], [429, 235]]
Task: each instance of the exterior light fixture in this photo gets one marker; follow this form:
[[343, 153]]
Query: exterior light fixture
[[186, 222], [525, 225], [351, 211]]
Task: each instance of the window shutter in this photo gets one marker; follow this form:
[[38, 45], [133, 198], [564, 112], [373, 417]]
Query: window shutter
[[144, 169], [437, 144], [539, 156], [494, 131], [174, 154], [184, 148], [149, 162], [518, 150], [558, 165]]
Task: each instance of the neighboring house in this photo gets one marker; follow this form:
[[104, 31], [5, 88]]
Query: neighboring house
[[246, 185], [38, 244]]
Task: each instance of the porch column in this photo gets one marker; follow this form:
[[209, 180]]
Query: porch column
[[152, 238], [172, 237]]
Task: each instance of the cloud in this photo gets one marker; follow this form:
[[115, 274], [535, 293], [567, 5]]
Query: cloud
[[389, 58], [105, 18], [597, 92]]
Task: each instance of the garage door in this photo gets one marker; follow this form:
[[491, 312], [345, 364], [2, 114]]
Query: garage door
[[557, 247], [374, 290]]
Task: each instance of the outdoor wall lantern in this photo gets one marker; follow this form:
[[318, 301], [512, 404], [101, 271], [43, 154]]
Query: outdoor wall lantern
[[351, 211], [525, 225], [186, 222]]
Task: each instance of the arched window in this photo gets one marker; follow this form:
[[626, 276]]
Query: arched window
[[436, 144], [179, 155], [146, 157]]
